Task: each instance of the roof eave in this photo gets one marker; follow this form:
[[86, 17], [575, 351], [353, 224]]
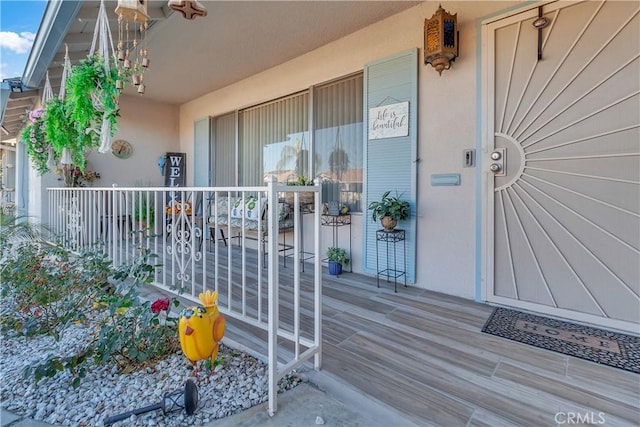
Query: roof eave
[[56, 21], [5, 91]]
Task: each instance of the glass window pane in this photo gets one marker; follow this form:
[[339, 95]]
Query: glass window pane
[[338, 140], [274, 140]]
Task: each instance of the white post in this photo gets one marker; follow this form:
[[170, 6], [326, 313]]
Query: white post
[[272, 232], [113, 228], [318, 277], [298, 255]]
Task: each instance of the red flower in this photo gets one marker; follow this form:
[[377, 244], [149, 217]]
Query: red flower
[[160, 305]]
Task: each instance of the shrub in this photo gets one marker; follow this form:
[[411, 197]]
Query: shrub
[[132, 334], [50, 288]]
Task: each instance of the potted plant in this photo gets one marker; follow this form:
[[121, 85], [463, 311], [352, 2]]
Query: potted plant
[[142, 209], [337, 257], [306, 198], [389, 210], [75, 123], [34, 137]]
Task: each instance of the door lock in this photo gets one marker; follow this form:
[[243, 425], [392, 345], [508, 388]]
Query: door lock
[[499, 164]]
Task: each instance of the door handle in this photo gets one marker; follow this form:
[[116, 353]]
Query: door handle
[[499, 164]]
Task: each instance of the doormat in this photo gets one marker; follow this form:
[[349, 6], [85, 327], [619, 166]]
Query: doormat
[[597, 345]]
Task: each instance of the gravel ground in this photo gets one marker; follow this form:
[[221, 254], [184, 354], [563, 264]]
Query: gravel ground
[[238, 383]]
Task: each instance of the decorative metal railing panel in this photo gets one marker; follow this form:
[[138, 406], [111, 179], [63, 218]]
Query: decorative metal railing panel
[[230, 239]]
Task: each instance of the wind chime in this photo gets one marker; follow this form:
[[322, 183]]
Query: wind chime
[[132, 54]]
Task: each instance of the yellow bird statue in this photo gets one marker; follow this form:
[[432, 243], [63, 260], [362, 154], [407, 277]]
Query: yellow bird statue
[[201, 328]]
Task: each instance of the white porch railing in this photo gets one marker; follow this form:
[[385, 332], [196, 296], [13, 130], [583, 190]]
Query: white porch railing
[[198, 249]]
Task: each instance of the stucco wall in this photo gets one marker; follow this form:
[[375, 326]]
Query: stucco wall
[[447, 125], [152, 129]]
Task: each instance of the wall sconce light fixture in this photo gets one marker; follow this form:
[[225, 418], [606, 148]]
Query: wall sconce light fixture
[[441, 40]]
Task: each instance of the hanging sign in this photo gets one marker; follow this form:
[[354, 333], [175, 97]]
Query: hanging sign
[[389, 121], [175, 170]]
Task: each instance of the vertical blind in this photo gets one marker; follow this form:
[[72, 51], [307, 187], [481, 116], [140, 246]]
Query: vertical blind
[[223, 151], [274, 140], [338, 140]]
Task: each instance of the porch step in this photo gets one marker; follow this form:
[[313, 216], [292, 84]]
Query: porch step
[[373, 412]]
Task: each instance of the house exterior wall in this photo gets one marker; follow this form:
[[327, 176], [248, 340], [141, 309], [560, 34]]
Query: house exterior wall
[[448, 124], [152, 129]]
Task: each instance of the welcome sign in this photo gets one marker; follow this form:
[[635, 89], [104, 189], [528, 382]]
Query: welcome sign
[[389, 121], [176, 170]]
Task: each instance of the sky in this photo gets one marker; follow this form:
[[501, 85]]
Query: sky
[[19, 22]]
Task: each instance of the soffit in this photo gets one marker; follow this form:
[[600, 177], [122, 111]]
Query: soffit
[[237, 39]]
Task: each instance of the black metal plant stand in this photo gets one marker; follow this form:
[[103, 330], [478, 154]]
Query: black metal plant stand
[[390, 239]]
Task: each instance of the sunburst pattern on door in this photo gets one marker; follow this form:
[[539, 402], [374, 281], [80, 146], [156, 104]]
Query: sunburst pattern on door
[[566, 202]]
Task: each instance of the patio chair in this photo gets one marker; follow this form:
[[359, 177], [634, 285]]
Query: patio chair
[[211, 224]]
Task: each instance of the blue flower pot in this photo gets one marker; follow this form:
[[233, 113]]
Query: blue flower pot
[[335, 268]]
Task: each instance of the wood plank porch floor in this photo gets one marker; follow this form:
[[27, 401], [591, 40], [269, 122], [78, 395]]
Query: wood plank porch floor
[[422, 354]]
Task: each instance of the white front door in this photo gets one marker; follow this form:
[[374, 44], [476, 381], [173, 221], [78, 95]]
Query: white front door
[[561, 162]]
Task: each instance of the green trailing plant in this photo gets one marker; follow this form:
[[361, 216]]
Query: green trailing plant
[[391, 206], [62, 133], [75, 123], [338, 255], [91, 95]]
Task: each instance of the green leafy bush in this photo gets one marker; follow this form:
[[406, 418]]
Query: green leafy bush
[[131, 333], [48, 289]]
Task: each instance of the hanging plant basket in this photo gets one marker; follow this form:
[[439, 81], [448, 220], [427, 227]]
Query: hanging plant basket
[[35, 137], [75, 123], [91, 96], [85, 113]]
